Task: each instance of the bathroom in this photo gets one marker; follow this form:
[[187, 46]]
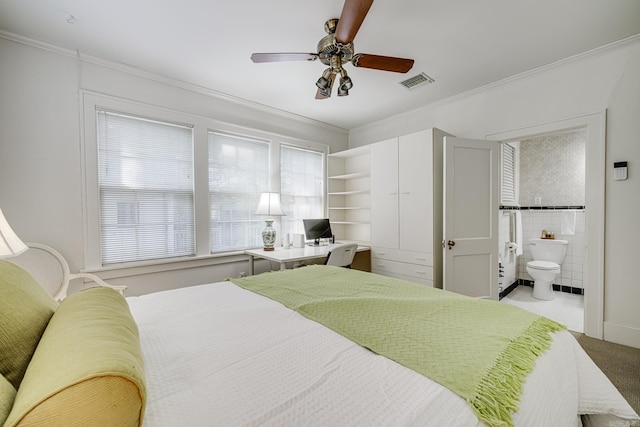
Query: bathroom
[[543, 191]]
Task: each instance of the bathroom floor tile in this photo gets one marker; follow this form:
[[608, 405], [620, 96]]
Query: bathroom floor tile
[[565, 308]]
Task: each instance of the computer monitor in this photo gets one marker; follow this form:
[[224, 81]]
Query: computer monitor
[[316, 229]]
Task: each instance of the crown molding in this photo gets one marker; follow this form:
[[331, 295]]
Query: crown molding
[[602, 50], [128, 69]]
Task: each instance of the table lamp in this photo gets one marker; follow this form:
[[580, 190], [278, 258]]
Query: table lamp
[[10, 243], [270, 206]]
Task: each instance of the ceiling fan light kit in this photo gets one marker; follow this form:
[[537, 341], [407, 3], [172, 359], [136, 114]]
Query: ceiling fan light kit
[[336, 49]]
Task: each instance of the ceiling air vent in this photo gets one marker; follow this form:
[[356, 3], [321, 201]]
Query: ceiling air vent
[[417, 81]]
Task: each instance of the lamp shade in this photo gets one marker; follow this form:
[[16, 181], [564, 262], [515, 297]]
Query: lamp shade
[[270, 205], [10, 243]]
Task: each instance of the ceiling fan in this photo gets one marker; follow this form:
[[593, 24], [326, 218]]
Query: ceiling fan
[[336, 49]]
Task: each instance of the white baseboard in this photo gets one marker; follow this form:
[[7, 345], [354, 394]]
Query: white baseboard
[[620, 334]]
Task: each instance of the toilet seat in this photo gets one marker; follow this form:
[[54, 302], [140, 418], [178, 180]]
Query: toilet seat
[[543, 265]]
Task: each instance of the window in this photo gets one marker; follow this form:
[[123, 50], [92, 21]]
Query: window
[[302, 187], [238, 173], [509, 174], [145, 176], [164, 189]]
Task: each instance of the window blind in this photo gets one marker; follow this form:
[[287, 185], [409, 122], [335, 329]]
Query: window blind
[[238, 174], [508, 192], [145, 175], [302, 187]]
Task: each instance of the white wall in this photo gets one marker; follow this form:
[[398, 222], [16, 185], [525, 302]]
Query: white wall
[[41, 176], [608, 79]]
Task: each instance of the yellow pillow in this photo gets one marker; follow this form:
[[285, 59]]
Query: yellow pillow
[[87, 369], [25, 310]]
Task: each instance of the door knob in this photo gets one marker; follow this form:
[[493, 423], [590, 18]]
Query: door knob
[[451, 244]]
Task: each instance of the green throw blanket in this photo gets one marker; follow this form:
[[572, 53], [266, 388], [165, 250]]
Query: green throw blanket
[[481, 350]]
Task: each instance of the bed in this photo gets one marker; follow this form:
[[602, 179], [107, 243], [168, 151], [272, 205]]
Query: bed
[[220, 354], [225, 354]]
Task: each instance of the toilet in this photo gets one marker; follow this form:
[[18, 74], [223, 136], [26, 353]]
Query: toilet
[[547, 255]]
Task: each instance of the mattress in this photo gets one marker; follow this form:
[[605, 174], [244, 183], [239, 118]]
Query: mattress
[[218, 354]]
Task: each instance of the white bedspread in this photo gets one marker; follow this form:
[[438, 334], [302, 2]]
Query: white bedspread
[[219, 355]]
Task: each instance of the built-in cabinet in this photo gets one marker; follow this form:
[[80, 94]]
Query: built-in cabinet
[[388, 195], [406, 207], [349, 201]]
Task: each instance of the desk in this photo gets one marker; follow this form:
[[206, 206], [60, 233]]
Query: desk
[[283, 256]]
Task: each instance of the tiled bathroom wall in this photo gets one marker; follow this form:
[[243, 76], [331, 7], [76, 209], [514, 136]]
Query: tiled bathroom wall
[[552, 170], [551, 178], [533, 222]]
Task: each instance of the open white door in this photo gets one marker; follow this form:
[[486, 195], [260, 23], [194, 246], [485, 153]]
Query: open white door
[[470, 217]]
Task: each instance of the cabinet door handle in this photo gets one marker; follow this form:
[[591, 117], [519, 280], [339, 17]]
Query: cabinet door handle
[[406, 192], [393, 194], [421, 272], [421, 259]]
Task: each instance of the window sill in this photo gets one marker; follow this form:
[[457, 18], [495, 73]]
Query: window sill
[[170, 264]]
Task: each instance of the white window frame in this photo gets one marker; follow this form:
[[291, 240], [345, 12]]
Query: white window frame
[[201, 128]]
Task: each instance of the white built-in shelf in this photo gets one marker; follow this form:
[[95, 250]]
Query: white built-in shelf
[[349, 203], [350, 222], [349, 193], [348, 208], [353, 152], [354, 175]]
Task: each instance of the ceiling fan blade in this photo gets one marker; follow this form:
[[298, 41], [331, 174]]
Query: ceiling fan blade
[[319, 94], [385, 63], [353, 13], [280, 57]]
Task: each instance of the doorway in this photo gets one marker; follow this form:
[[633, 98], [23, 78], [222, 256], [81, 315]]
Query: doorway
[[593, 272], [546, 180]]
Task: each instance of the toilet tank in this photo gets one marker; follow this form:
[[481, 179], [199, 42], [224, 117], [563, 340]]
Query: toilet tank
[[552, 250]]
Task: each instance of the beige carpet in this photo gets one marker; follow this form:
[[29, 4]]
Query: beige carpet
[[620, 363]]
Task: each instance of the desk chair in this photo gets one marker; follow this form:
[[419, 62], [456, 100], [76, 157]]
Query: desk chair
[[342, 255], [51, 270]]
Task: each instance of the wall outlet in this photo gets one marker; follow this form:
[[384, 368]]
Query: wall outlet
[[537, 200]]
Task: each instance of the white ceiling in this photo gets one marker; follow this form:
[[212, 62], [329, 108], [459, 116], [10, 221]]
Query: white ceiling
[[462, 44]]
